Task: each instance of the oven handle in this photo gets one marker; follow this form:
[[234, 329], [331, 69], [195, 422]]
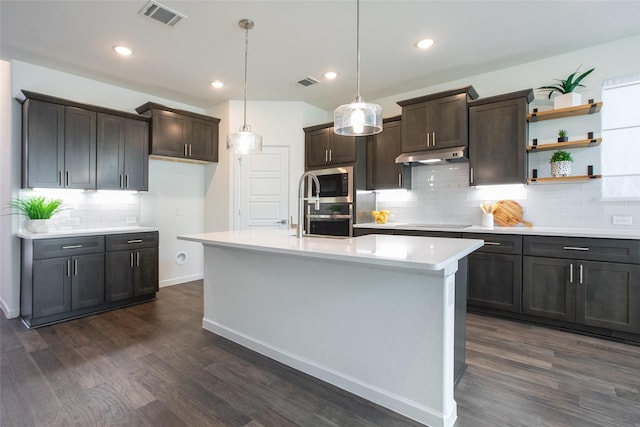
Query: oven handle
[[329, 216]]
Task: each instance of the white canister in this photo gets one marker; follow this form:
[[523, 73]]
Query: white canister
[[487, 220]]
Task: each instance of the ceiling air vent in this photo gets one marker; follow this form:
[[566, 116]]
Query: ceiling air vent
[[307, 81], [161, 13]]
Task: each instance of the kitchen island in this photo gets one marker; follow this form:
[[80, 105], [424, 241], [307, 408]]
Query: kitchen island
[[373, 315]]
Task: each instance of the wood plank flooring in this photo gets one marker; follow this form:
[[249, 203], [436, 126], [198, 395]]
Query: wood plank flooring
[[153, 365]]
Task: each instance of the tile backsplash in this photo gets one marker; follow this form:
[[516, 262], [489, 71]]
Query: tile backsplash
[[441, 195], [91, 209]]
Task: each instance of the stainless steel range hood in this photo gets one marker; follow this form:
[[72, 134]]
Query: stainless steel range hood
[[439, 156]]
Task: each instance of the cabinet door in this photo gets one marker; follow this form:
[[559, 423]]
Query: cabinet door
[[51, 286], [497, 139], [548, 289], [169, 133], [204, 140], [119, 275], [136, 155], [342, 149], [145, 272], [317, 144], [87, 284], [382, 170], [447, 121], [79, 148], [414, 128], [43, 140], [608, 295], [110, 154], [495, 281]]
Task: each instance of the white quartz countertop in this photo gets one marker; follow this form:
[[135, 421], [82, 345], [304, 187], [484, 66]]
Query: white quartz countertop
[[422, 253], [84, 232], [622, 233]]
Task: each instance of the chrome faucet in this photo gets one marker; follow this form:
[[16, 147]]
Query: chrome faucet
[[302, 199]]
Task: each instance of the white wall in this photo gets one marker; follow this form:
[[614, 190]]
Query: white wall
[[441, 194]]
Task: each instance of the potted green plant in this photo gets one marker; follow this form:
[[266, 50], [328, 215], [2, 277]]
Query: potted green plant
[[563, 135], [561, 163], [566, 88], [38, 211]]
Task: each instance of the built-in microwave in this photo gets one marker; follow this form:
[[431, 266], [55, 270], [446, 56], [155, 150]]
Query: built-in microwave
[[336, 185]]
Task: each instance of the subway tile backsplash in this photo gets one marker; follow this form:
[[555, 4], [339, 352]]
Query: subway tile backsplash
[[441, 195], [91, 209]]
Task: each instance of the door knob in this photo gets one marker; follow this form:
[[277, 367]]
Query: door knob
[[282, 221]]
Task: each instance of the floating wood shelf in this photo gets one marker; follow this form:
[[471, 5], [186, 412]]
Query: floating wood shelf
[[561, 179], [561, 145], [565, 112]]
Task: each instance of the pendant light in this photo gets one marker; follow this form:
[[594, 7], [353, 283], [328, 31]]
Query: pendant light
[[359, 118], [245, 141]]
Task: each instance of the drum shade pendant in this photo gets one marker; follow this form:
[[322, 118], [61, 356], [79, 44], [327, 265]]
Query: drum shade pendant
[[359, 118], [245, 141]]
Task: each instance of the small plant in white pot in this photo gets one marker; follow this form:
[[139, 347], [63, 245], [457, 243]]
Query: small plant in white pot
[[566, 88], [38, 211], [561, 163]]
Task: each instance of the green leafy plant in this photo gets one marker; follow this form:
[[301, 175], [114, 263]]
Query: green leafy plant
[[568, 85], [562, 133], [37, 207], [561, 156]]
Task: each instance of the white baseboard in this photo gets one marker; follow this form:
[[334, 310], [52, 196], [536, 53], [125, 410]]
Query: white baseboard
[[9, 313], [391, 401], [179, 280]]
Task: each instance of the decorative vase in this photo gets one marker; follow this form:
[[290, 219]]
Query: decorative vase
[[38, 225], [562, 168], [567, 100]]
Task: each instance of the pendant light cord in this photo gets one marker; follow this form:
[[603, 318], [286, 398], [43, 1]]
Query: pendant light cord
[[246, 54], [358, 99]]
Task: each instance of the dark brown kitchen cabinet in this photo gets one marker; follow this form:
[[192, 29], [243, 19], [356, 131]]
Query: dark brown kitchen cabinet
[[324, 148], [132, 265], [498, 134], [567, 285], [122, 153], [61, 277], [181, 134], [436, 121], [383, 173], [59, 146], [495, 273]]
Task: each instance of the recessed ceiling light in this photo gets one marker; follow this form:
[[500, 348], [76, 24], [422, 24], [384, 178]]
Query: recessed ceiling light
[[217, 84], [425, 44], [330, 75], [123, 50]]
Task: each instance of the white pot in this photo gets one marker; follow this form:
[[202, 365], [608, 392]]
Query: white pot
[[38, 225], [561, 168], [567, 100]]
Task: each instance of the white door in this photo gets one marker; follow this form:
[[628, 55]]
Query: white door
[[263, 183]]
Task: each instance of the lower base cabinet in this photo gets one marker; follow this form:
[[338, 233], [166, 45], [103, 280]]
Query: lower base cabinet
[[132, 265], [65, 278]]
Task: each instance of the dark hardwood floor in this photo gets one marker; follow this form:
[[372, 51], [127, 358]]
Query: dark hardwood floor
[[153, 365]]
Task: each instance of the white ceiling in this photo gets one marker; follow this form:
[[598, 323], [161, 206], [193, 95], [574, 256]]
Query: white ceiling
[[299, 38]]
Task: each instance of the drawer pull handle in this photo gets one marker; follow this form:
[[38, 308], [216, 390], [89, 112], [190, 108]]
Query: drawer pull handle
[[72, 247], [134, 241], [575, 248], [492, 243]]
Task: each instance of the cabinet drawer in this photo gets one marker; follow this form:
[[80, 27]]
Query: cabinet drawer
[[132, 241], [427, 233], [68, 246], [498, 243], [611, 250]]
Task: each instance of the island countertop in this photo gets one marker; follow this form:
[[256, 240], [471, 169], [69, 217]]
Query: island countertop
[[420, 253]]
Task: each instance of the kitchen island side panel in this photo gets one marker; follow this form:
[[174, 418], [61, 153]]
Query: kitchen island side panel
[[383, 333]]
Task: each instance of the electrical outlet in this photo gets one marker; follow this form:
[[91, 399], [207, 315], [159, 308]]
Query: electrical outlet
[[73, 221], [131, 220], [621, 220]]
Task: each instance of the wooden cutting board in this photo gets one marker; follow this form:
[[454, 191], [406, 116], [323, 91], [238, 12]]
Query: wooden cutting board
[[509, 213]]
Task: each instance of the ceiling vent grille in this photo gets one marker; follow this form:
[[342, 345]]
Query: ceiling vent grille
[[307, 81], [161, 13]]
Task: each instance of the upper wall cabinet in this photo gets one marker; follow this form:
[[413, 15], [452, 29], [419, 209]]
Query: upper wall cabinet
[[324, 148], [498, 133], [180, 134], [383, 173], [436, 121], [72, 145]]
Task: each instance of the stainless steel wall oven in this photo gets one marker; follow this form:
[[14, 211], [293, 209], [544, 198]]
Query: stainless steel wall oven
[[335, 216]]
